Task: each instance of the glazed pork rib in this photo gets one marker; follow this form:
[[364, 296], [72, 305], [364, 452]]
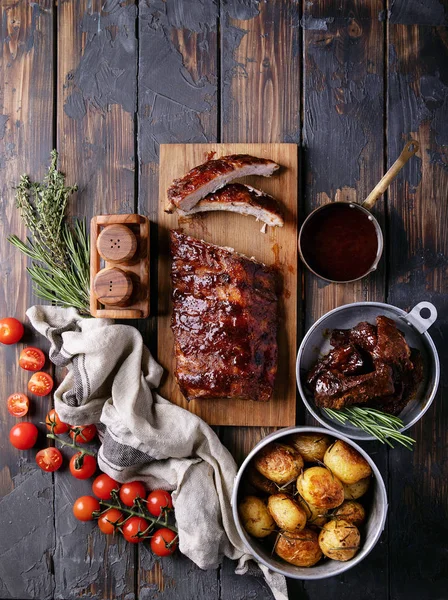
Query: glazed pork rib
[[242, 199], [212, 175], [224, 322]]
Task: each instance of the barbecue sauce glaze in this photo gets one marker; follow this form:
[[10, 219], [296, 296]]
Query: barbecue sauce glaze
[[339, 242]]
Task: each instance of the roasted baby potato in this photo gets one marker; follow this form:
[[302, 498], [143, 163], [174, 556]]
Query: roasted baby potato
[[346, 463], [351, 511], [279, 463], [339, 540], [311, 446], [286, 512], [318, 486], [260, 482], [256, 517], [356, 490], [300, 548], [314, 515]]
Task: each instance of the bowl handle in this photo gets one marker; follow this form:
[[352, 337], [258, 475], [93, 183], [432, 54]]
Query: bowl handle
[[420, 323]]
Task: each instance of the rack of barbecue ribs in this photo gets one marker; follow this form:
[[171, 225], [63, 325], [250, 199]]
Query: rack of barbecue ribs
[[224, 322], [370, 365]]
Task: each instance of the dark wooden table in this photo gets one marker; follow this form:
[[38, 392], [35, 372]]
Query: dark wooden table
[[106, 83]]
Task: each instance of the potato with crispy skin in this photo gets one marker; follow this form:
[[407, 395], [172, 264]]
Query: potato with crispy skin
[[300, 548], [314, 515], [339, 540], [318, 486], [279, 463], [260, 482], [356, 490], [286, 512], [311, 446], [346, 463], [351, 511], [255, 517]]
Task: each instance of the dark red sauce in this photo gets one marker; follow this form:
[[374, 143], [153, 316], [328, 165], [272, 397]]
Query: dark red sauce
[[339, 242]]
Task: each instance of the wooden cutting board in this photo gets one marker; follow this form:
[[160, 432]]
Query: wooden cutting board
[[278, 246]]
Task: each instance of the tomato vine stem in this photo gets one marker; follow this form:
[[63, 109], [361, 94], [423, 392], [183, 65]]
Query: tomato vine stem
[[70, 444], [133, 513]]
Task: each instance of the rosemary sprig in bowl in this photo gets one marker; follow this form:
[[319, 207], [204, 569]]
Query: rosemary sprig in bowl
[[60, 252], [383, 426]]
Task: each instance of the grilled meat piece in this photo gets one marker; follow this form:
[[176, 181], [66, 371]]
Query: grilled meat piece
[[224, 322], [334, 390], [344, 359], [212, 175], [388, 372], [391, 347], [242, 199], [364, 335]]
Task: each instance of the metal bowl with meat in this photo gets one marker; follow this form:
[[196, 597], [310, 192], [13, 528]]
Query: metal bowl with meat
[[369, 354]]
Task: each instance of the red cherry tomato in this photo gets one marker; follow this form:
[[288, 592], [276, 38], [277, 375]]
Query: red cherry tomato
[[82, 468], [109, 521], [164, 542], [130, 491], [18, 405], [103, 485], [158, 502], [84, 507], [59, 426], [32, 359], [11, 331], [49, 459], [81, 434], [40, 384], [23, 435], [133, 530]]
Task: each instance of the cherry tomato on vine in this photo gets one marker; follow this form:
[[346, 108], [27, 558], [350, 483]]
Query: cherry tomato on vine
[[158, 501], [133, 530], [84, 507], [11, 331], [86, 433], [59, 426], [23, 435], [18, 405], [109, 520], [31, 359], [82, 468], [164, 542], [103, 485], [40, 384], [130, 491], [49, 459]]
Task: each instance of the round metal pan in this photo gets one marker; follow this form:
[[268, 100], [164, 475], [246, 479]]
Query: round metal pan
[[413, 325]]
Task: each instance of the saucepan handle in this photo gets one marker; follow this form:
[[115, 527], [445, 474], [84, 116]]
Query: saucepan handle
[[410, 148], [420, 323]]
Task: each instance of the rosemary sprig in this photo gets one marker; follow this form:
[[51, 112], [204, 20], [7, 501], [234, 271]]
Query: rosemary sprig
[[383, 426], [60, 252]]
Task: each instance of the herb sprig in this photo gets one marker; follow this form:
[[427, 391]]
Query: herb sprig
[[60, 252], [383, 426]]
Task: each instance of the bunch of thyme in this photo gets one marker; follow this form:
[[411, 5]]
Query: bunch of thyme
[[60, 252]]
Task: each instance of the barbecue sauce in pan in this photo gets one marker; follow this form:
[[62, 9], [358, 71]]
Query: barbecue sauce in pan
[[339, 242]]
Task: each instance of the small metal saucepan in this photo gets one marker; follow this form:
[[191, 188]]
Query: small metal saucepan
[[414, 326], [342, 242]]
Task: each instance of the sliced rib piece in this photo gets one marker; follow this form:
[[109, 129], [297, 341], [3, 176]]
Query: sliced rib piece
[[242, 199], [224, 322], [212, 175]]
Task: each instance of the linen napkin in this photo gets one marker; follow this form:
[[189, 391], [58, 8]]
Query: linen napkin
[[110, 381]]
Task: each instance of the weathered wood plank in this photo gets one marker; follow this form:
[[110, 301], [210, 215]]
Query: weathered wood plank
[[260, 100], [26, 139], [343, 133], [177, 83], [97, 66], [417, 107]]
